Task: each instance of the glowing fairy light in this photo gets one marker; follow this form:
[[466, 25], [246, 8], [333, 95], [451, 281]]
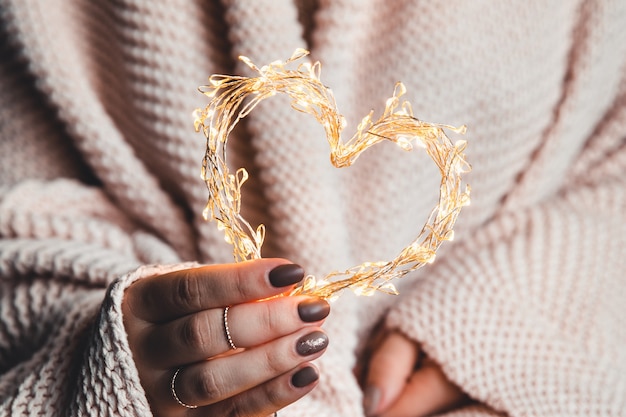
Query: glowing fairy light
[[234, 97]]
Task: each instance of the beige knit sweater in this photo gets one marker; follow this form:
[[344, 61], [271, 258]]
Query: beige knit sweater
[[99, 174]]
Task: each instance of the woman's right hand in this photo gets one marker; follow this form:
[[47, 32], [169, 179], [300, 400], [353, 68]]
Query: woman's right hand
[[176, 328]]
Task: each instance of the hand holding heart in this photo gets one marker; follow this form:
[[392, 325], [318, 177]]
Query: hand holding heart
[[182, 327]]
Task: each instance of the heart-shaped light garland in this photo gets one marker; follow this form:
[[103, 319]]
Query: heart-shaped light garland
[[234, 97]]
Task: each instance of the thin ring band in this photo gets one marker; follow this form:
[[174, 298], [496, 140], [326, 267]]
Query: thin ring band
[[173, 389], [227, 330]]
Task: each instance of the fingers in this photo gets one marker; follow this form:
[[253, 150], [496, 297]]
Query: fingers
[[196, 337], [265, 399], [390, 366], [221, 378], [428, 391], [179, 293], [181, 327]]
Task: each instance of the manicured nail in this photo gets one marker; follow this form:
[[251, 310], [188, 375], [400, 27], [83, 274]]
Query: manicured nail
[[311, 343], [313, 309], [286, 274], [304, 377], [371, 397]]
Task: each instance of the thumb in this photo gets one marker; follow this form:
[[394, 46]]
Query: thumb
[[390, 366]]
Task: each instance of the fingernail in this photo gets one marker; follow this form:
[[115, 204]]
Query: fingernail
[[313, 309], [287, 274], [304, 377], [371, 397], [311, 343]]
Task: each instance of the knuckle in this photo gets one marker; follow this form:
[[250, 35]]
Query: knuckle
[[235, 411], [267, 318], [275, 362], [209, 387], [272, 395], [192, 333], [243, 290], [247, 405], [187, 292], [232, 412]]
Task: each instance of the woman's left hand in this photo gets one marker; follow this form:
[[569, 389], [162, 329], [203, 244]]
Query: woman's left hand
[[216, 339], [399, 381]]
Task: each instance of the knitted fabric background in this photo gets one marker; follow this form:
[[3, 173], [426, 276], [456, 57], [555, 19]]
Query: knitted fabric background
[[100, 177]]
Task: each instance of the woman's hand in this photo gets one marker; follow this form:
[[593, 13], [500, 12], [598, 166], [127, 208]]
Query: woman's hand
[[177, 330], [400, 382]]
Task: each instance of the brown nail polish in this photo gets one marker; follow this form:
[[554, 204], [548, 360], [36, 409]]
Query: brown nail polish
[[311, 343], [287, 274], [304, 377], [313, 310]]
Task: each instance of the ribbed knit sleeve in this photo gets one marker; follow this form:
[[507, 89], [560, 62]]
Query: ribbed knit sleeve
[[527, 315], [62, 339], [64, 349], [43, 326], [107, 382]]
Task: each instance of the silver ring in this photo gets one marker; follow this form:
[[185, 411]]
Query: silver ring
[[227, 330], [173, 389]]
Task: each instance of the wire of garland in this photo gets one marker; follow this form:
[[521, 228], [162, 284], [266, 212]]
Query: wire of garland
[[234, 97]]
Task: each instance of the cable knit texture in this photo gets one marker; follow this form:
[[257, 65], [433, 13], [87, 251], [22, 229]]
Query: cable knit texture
[[100, 177]]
